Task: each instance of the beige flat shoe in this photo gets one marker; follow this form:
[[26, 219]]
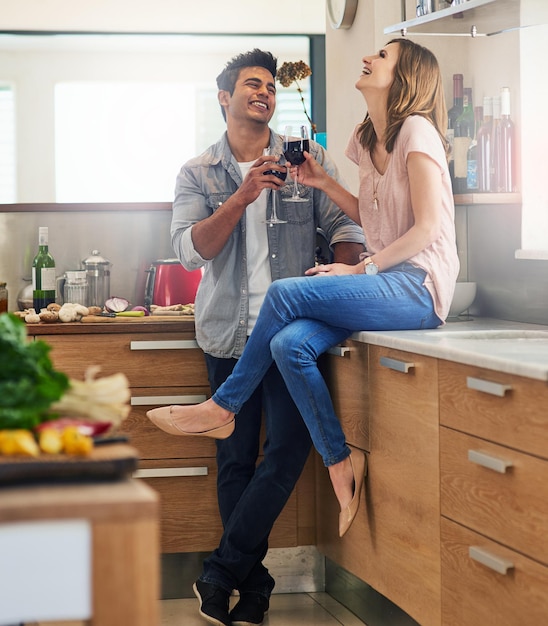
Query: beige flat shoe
[[163, 419], [358, 461]]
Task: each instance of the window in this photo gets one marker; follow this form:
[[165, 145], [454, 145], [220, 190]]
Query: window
[[125, 142], [7, 145]]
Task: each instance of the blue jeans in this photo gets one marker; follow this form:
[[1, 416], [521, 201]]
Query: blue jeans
[[251, 497], [302, 317]]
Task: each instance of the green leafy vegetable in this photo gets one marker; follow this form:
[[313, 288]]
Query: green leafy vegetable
[[28, 382]]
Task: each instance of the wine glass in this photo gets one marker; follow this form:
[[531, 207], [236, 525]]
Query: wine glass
[[274, 219], [293, 152]]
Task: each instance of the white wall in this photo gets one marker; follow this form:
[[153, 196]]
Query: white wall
[[205, 16]]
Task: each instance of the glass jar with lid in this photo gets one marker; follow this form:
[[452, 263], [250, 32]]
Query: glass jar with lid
[[3, 298]]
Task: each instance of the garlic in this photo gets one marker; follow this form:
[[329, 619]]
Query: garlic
[[32, 317]]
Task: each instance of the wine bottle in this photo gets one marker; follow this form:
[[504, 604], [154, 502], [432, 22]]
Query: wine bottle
[[43, 273], [506, 156], [495, 144], [472, 154], [484, 140], [464, 133], [452, 116]]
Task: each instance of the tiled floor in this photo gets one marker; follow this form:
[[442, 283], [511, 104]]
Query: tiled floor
[[292, 609]]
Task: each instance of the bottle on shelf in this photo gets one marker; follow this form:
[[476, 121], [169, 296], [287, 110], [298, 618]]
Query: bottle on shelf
[[506, 176], [484, 140], [464, 133], [472, 183], [43, 273], [452, 116], [495, 144], [3, 297]]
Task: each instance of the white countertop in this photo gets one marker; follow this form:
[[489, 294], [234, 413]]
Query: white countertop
[[511, 347]]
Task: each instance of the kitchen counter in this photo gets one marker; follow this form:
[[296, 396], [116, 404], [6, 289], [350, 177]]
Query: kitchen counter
[[117, 325], [493, 344]]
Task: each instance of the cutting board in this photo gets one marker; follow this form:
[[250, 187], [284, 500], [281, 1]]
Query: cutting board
[[172, 315], [105, 462]]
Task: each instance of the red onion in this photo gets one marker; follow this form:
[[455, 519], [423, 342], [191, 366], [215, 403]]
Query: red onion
[[116, 304], [141, 308]]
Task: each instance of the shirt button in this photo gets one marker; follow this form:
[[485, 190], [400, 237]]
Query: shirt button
[[273, 256], [244, 291], [242, 322]]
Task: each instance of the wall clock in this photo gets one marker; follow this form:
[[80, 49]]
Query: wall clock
[[341, 12]]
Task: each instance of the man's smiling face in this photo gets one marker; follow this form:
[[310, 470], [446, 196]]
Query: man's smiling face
[[254, 96]]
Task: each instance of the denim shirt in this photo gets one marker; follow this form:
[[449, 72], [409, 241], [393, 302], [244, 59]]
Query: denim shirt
[[203, 184]]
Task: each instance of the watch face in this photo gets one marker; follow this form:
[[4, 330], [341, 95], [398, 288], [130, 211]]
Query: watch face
[[341, 12], [371, 269]]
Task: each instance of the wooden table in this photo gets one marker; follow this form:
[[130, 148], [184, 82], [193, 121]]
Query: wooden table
[[125, 554]]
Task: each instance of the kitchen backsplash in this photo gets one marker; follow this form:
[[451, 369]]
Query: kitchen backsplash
[[130, 240], [488, 236]]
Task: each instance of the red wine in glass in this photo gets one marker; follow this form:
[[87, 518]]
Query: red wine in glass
[[277, 173], [294, 148]]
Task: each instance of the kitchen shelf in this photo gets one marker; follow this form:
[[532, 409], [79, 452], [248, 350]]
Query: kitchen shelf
[[478, 18], [487, 198]]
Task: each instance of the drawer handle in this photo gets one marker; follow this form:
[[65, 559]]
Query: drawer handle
[[168, 472], [166, 400], [490, 560], [183, 344], [339, 351], [486, 386], [490, 462], [397, 366]]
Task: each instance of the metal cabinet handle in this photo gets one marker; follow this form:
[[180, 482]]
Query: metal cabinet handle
[[169, 472], [339, 351], [486, 386], [174, 344], [490, 560], [397, 366], [488, 461], [166, 400]]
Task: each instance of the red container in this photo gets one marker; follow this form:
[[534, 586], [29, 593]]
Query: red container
[[169, 283]]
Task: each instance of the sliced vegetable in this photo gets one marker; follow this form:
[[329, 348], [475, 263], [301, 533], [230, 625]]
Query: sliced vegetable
[[86, 427], [18, 442], [50, 441], [116, 304], [76, 443]]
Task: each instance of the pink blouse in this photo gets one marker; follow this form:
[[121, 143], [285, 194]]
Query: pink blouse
[[392, 216]]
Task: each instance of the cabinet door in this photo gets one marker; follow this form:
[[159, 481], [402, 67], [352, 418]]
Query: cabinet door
[[497, 491], [148, 359], [500, 407], [394, 543], [345, 370], [487, 584]]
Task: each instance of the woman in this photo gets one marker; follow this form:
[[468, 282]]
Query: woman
[[406, 281]]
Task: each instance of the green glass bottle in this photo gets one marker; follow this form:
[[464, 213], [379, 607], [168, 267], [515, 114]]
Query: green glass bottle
[[464, 134], [43, 273]]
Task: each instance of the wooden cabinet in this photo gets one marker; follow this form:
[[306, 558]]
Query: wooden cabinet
[[165, 366], [394, 543], [494, 497]]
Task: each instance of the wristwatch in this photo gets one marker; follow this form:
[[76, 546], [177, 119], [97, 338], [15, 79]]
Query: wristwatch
[[370, 267]]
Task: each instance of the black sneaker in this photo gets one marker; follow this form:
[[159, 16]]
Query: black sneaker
[[250, 609], [213, 603]]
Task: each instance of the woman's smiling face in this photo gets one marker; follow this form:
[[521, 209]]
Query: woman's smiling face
[[378, 69]]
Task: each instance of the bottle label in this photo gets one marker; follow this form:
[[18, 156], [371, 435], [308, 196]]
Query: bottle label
[[48, 279], [472, 175], [461, 145]]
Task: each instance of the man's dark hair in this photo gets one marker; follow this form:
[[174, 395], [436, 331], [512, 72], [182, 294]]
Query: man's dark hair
[[254, 58]]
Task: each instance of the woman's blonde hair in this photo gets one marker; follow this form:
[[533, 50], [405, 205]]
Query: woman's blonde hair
[[417, 89]]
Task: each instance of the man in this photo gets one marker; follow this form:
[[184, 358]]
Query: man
[[222, 200]]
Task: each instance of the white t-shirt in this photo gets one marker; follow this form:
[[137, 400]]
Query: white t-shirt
[[258, 267]]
